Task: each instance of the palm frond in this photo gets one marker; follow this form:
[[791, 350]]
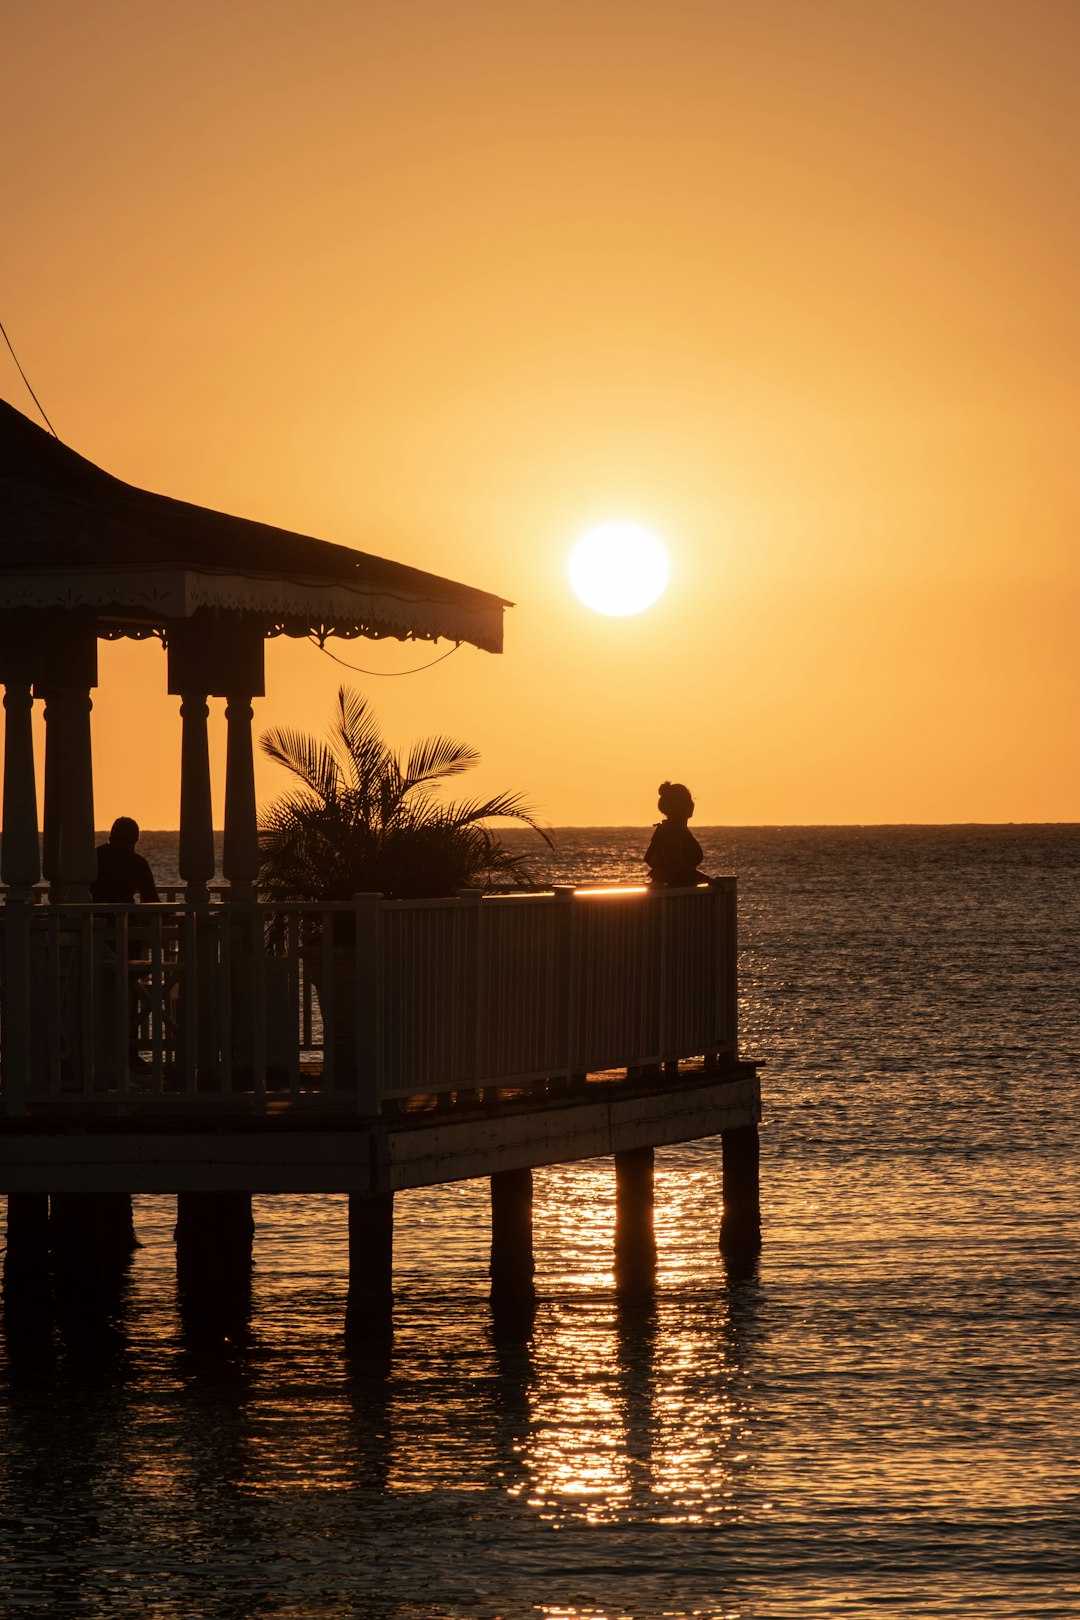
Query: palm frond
[[311, 761], [435, 758], [505, 806], [356, 732]]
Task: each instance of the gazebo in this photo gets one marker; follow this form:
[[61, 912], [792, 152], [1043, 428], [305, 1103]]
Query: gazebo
[[175, 1048], [84, 557]]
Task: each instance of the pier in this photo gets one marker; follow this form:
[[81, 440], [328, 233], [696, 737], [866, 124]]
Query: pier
[[217, 1051], [214, 1046]]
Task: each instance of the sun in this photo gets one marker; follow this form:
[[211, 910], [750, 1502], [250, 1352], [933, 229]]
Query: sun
[[618, 569]]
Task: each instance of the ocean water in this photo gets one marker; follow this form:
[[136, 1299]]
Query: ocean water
[[882, 1420]]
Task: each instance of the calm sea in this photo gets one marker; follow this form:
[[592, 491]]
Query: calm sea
[[884, 1420]]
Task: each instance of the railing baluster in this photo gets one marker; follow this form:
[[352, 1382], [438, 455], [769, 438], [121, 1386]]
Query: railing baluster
[[292, 993], [17, 1048], [327, 999], [190, 990], [566, 953], [157, 1004], [122, 1029], [306, 1034], [259, 967], [83, 963], [52, 1002], [226, 924]]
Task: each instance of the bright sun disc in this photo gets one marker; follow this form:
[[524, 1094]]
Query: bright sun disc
[[618, 568]]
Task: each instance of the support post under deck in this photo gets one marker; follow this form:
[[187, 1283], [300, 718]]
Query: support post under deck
[[27, 1250], [214, 1236], [27, 1279], [94, 1229], [740, 1224], [635, 1238], [369, 1313], [513, 1293]]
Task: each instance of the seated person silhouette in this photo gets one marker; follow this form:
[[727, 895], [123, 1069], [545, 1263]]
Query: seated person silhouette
[[121, 874], [674, 855]]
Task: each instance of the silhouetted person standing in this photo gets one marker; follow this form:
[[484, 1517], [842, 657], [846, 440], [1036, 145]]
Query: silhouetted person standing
[[674, 855], [121, 874]]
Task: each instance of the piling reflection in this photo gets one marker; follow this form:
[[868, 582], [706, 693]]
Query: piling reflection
[[241, 1421], [370, 1395], [91, 1315], [66, 1296], [636, 1330], [513, 1321], [214, 1313], [211, 1455], [27, 1320], [65, 1467], [638, 1403]]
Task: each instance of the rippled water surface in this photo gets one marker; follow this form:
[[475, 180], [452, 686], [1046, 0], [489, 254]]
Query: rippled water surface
[[882, 1420]]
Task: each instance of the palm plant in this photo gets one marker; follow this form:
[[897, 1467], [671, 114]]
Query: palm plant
[[365, 819]]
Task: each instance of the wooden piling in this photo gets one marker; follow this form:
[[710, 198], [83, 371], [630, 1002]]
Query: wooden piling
[[369, 1313], [91, 1229], [27, 1285], [513, 1293], [214, 1236], [740, 1224], [214, 1239], [635, 1238], [27, 1230]]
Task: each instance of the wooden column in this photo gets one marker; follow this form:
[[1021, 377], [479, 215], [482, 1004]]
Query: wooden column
[[70, 853], [54, 792], [635, 1238], [240, 862], [20, 869], [369, 1314], [78, 853], [223, 656], [197, 859], [513, 1293], [20, 860], [64, 661], [740, 1224]]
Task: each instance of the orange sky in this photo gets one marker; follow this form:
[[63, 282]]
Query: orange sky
[[792, 283]]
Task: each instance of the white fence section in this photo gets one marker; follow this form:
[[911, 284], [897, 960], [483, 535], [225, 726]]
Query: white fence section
[[134, 1008]]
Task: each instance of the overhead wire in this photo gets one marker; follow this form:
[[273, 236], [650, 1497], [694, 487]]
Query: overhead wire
[[26, 380], [383, 673]]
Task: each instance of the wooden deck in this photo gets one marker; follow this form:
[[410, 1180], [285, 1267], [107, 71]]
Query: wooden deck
[[423, 1144]]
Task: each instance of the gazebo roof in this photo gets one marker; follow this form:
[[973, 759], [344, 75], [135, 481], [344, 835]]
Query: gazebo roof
[[73, 536]]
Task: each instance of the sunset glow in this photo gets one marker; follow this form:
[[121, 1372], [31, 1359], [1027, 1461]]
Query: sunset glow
[[814, 315]]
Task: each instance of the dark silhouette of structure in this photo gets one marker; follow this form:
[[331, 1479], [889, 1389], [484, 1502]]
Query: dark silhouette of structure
[[179, 1055]]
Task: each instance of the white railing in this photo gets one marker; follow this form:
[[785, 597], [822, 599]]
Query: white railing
[[132, 1008]]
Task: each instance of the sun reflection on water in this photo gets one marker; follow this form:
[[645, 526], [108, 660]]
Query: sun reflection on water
[[881, 1419], [622, 1424]]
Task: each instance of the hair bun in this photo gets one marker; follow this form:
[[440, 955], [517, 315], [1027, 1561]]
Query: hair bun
[[674, 799]]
